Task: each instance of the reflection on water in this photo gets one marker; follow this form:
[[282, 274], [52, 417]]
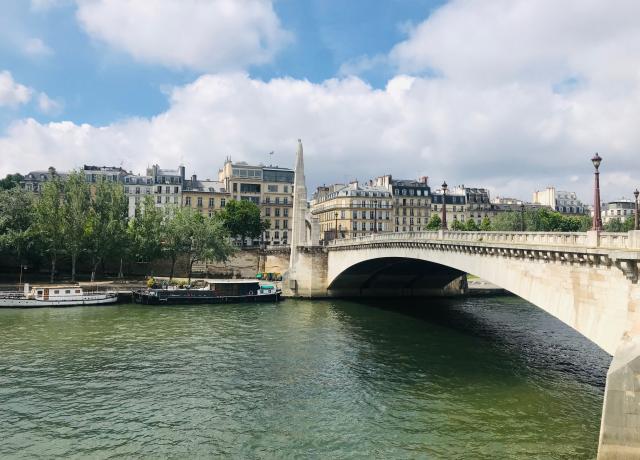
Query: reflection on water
[[473, 378]]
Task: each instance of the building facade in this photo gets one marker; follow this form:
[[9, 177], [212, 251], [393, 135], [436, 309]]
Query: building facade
[[618, 209], [163, 185], [349, 211], [204, 196], [411, 202], [270, 187], [464, 203], [561, 201]]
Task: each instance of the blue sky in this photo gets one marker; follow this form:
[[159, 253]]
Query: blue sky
[[99, 85], [512, 95]]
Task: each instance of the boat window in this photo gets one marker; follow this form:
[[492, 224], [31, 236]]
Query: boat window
[[39, 292], [68, 291], [56, 292], [77, 291]]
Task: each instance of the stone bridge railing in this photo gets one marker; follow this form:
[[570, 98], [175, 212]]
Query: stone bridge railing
[[621, 250], [624, 241]]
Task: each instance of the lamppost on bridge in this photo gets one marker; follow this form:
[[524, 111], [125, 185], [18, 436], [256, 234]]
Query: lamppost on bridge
[[636, 224], [522, 217], [597, 217], [375, 216], [336, 227], [443, 224]]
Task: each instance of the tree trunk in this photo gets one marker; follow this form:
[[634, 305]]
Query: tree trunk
[[173, 265], [73, 267], [120, 273], [94, 269], [53, 268], [191, 261]]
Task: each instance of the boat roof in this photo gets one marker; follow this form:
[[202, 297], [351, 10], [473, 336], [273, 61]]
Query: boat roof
[[227, 281], [58, 286]]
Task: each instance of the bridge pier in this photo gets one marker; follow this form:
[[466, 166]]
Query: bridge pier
[[620, 427]]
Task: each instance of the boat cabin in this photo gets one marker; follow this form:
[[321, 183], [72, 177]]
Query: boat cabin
[[63, 292]]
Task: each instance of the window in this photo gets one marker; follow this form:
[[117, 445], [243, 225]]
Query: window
[[267, 212], [277, 212], [276, 235], [56, 292], [187, 201], [167, 190], [235, 187], [199, 202], [222, 202], [211, 202], [286, 212], [277, 200], [159, 199], [285, 224], [126, 190], [67, 291], [272, 188], [249, 188], [285, 200], [277, 224], [286, 189], [77, 291]]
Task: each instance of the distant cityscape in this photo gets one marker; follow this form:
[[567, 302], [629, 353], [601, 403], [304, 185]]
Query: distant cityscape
[[383, 204]]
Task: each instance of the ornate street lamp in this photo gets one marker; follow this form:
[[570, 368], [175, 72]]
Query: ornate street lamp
[[336, 216], [443, 225], [636, 226], [597, 217], [522, 217]]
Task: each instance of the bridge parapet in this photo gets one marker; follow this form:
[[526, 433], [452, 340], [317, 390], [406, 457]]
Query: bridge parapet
[[630, 240]]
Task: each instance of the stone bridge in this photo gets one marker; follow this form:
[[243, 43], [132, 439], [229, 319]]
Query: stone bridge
[[589, 281]]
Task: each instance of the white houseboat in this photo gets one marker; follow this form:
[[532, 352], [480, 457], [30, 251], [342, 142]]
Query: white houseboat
[[55, 296]]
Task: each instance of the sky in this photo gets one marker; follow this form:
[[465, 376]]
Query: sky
[[512, 95]]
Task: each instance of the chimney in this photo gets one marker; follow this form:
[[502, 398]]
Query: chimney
[[424, 180], [194, 178]]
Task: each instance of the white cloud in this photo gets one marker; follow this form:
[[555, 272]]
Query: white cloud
[[196, 34], [517, 106], [48, 106], [36, 48], [513, 142], [12, 93], [44, 5]]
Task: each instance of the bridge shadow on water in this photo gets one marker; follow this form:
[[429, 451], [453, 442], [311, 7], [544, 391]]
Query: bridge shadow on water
[[531, 340]]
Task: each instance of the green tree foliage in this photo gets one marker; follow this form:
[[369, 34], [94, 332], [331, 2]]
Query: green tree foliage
[[471, 226], [176, 234], [618, 225], [242, 220], [458, 225], [145, 231], [11, 181], [434, 222], [106, 231], [16, 219], [76, 207], [540, 220], [209, 240], [49, 221], [485, 225]]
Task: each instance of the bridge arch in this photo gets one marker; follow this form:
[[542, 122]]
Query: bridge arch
[[592, 300]]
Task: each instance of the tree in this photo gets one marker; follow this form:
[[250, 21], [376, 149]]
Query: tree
[[614, 225], [11, 181], [485, 225], [242, 220], [471, 225], [434, 222], [16, 219], [145, 231], [508, 221], [77, 202], [49, 220], [106, 230], [176, 234], [209, 240], [457, 225]]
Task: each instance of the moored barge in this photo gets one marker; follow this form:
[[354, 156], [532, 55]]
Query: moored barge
[[210, 292], [55, 296]]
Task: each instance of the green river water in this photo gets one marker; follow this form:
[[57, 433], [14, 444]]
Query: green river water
[[474, 378]]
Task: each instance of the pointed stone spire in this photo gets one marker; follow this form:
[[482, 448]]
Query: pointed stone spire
[[298, 227]]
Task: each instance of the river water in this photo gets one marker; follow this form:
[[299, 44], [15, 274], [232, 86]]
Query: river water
[[490, 377]]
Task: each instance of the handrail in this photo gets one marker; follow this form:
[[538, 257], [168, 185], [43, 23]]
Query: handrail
[[586, 239]]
